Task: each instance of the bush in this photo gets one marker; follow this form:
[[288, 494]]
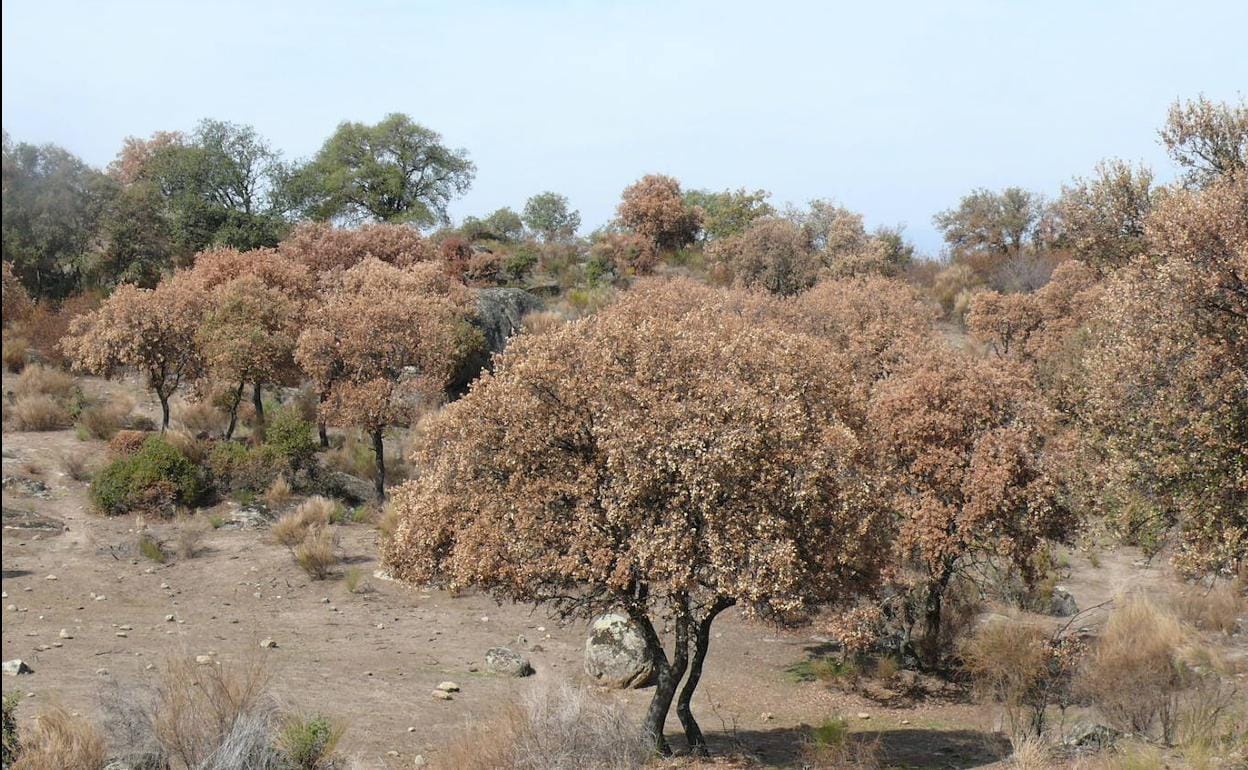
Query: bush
[[127, 442], [190, 538], [308, 743], [278, 493], [60, 740], [39, 412], [830, 745], [291, 529], [156, 477], [38, 379], [237, 468], [201, 417], [1217, 609], [16, 353], [292, 437], [552, 729], [101, 421], [150, 548], [8, 730], [318, 553]]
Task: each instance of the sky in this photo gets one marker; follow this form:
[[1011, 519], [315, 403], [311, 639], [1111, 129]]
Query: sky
[[894, 109]]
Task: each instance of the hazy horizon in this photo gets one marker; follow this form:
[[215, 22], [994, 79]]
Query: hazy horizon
[[894, 112]]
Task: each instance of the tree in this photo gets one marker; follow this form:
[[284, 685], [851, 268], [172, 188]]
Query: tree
[[504, 225], [729, 212], [16, 302], [1101, 220], [963, 440], [548, 215], [136, 239], [150, 330], [325, 249], [1000, 236], [1167, 368], [664, 457], [773, 254], [1207, 139], [394, 171], [52, 204], [654, 208], [383, 344]]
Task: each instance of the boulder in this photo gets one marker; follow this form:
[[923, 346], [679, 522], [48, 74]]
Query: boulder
[[616, 654], [508, 662], [1092, 736], [352, 489], [1063, 603], [17, 666], [498, 315]]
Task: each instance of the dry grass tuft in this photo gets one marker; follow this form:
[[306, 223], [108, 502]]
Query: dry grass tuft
[[16, 353], [195, 449], [76, 466], [102, 421], [39, 412], [317, 555], [278, 493], [542, 321], [60, 740], [38, 379], [201, 417], [1217, 609], [190, 537], [315, 512], [551, 729]]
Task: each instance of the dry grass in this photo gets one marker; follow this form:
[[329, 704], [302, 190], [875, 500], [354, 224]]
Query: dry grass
[[60, 740], [151, 548], [102, 421], [76, 466], [291, 529], [195, 449], [38, 379], [278, 493], [190, 537], [16, 353], [1006, 660], [387, 523], [317, 555], [552, 729], [542, 321], [1133, 674], [201, 417], [39, 412], [1215, 609]]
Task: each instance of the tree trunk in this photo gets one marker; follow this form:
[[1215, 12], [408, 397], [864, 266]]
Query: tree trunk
[[668, 676], [320, 423], [701, 643], [932, 608], [164, 411], [238, 397], [379, 451], [257, 401]]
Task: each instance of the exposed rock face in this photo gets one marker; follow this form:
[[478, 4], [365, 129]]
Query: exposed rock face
[[508, 662], [1063, 604], [17, 666], [350, 488], [616, 654], [498, 317]]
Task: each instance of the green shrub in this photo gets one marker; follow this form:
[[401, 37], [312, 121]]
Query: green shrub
[[156, 477], [833, 732], [151, 548], [309, 743], [292, 437], [520, 262], [9, 745], [237, 468]]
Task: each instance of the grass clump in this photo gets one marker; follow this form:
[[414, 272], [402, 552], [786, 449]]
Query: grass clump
[[315, 512], [39, 412], [60, 740], [278, 493], [75, 466], [190, 538], [156, 477], [317, 555], [309, 743], [150, 548], [16, 353]]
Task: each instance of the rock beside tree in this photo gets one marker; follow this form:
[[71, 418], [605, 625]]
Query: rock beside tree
[[616, 654]]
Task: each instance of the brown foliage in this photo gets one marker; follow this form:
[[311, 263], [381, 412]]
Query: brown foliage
[[14, 299], [323, 248], [38, 412], [654, 207], [1101, 220], [772, 254], [60, 740], [48, 324], [127, 442]]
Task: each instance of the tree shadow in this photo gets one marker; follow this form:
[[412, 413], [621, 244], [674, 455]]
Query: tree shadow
[[15, 573], [908, 747]]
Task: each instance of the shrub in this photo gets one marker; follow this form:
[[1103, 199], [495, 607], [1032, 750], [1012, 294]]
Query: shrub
[[127, 442], [209, 712], [39, 412], [830, 745], [278, 493], [1133, 674], [291, 529], [308, 743], [238, 468], [99, 422], [355, 582], [317, 554], [60, 740], [75, 466], [552, 729], [194, 448], [201, 417], [155, 477], [16, 353], [292, 437], [190, 538], [8, 729], [150, 548], [38, 379]]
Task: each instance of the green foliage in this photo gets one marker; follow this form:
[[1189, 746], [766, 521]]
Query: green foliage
[[548, 215], [825, 670], [520, 262], [150, 548], [238, 468], [394, 171], [833, 733], [309, 743], [156, 477], [9, 744], [291, 437], [729, 212]]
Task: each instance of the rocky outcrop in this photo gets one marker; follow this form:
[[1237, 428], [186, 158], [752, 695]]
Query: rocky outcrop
[[616, 654], [498, 315]]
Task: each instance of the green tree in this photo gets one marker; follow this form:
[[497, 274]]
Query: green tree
[[394, 171], [548, 215], [503, 225], [729, 212], [52, 204]]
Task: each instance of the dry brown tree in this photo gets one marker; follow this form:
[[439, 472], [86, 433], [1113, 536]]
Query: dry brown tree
[[382, 345], [152, 331], [665, 457], [654, 207], [773, 254]]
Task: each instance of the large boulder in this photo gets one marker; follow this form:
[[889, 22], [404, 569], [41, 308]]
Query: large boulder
[[508, 662], [1063, 604], [616, 654], [498, 315], [352, 489]]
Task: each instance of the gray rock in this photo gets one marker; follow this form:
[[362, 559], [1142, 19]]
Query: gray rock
[[498, 316], [616, 654], [508, 662], [1063, 603], [17, 666], [1089, 735], [27, 486], [352, 489]]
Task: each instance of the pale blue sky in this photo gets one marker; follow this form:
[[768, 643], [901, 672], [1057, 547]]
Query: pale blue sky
[[894, 109]]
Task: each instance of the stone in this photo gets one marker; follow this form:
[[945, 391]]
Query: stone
[[1063, 603], [268, 644], [169, 618], [616, 654], [863, 715], [498, 316], [17, 666], [64, 634], [443, 695], [1089, 735], [352, 489], [508, 662], [203, 660], [448, 687], [51, 577]]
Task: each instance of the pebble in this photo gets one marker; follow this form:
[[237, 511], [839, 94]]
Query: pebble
[[441, 695], [64, 634], [164, 585], [50, 577], [448, 687], [203, 660], [122, 634], [268, 644], [101, 672], [767, 716], [126, 627], [169, 618], [863, 715]]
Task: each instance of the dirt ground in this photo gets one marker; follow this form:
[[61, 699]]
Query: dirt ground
[[371, 658]]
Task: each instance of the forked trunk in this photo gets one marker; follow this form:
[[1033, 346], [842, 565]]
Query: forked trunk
[[257, 401], [379, 451], [701, 642], [238, 397]]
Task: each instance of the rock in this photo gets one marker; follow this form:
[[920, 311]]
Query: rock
[[863, 715], [50, 577], [419, 761], [382, 574], [137, 761], [268, 644], [352, 489], [17, 666], [767, 716], [64, 634], [203, 660], [1063, 604], [502, 660], [169, 618], [1089, 735], [616, 654], [442, 695], [448, 687], [27, 486], [498, 315]]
